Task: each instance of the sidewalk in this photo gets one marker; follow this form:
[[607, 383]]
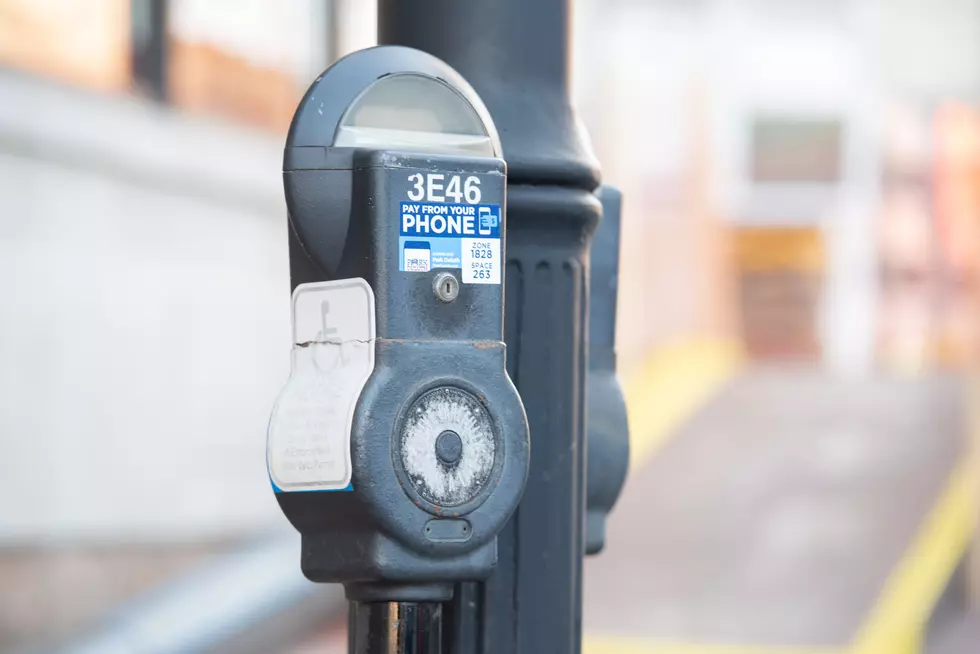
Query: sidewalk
[[793, 512]]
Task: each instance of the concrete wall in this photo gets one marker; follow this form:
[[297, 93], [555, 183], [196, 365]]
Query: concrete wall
[[143, 321]]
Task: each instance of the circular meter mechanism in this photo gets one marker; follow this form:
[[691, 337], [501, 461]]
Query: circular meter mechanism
[[399, 447], [447, 447]]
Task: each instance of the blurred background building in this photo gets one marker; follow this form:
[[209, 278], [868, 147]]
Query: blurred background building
[[802, 188]]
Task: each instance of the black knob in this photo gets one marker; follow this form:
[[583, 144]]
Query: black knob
[[449, 447]]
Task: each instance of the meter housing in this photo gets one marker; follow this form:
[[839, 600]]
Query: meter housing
[[392, 174]]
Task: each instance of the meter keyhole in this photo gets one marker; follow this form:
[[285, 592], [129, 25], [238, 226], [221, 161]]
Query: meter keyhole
[[446, 286]]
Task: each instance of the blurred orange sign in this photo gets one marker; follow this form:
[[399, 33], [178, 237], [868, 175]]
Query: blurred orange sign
[[205, 78], [957, 186], [780, 271], [759, 249], [81, 41]]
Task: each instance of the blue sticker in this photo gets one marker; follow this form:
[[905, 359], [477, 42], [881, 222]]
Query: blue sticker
[[436, 235]]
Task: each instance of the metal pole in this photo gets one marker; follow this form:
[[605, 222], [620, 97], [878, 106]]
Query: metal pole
[[149, 49], [515, 54], [395, 628]]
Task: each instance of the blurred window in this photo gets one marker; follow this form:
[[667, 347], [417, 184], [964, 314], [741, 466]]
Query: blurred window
[[84, 42], [245, 60], [796, 150], [249, 60]]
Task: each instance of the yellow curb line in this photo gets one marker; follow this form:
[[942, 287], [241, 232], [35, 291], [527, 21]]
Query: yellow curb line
[[898, 619], [672, 384]]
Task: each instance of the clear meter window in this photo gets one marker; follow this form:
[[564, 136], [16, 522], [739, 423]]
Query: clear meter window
[[414, 112]]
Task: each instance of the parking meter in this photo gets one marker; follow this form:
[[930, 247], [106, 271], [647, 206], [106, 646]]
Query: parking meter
[[398, 447], [607, 429]]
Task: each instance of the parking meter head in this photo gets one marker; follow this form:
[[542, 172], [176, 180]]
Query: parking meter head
[[387, 98], [399, 447]]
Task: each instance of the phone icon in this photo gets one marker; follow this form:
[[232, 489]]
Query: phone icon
[[487, 221]]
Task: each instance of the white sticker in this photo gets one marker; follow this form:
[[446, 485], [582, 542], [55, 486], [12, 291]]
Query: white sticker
[[417, 259], [332, 359], [481, 260]]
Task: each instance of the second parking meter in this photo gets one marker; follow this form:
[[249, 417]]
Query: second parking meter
[[607, 429], [398, 447]]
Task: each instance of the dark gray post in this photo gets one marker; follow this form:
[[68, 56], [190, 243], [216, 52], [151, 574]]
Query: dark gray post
[[515, 54], [395, 628]]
